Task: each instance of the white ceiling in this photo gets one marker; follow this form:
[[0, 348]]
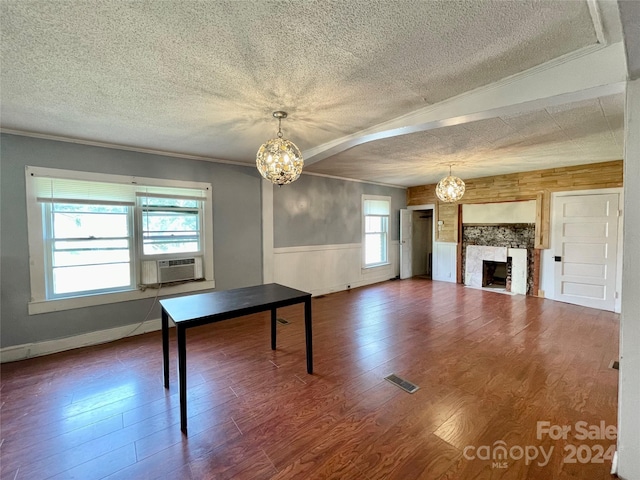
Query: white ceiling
[[202, 78]]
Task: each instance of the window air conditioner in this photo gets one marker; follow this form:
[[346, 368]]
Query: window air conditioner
[[173, 270]]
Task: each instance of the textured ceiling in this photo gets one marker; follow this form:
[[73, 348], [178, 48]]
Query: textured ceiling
[[202, 78], [572, 134]]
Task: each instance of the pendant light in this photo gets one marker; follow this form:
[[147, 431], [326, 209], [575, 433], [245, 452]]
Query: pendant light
[[279, 160], [450, 189]]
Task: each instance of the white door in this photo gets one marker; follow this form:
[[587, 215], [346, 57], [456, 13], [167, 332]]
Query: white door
[[585, 240], [406, 219]]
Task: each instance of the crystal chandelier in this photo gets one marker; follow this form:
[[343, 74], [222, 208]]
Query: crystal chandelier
[[450, 189], [279, 160]]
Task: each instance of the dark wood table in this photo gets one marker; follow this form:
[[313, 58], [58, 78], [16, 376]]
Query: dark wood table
[[201, 309]]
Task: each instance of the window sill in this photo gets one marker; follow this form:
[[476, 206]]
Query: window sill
[[377, 265], [46, 306]]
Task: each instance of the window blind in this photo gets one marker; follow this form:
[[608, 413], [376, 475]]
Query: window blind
[[376, 207], [64, 190]]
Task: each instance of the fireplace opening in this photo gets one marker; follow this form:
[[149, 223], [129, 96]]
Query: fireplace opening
[[496, 274]]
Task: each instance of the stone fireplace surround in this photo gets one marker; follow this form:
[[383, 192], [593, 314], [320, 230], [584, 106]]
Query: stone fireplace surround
[[513, 235]]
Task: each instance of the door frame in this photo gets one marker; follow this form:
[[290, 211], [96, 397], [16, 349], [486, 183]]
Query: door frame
[[547, 264], [428, 206], [405, 273]]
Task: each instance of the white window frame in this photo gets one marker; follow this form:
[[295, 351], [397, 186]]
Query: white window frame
[[48, 244], [37, 261], [364, 243], [140, 234]]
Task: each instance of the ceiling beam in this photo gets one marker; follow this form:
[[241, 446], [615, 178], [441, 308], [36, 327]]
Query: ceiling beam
[[586, 74], [630, 19]]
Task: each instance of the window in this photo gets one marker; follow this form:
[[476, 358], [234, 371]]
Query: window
[[170, 224], [87, 248], [376, 230], [92, 234]]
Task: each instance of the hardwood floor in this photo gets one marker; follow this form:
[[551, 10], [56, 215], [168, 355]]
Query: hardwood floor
[[489, 366]]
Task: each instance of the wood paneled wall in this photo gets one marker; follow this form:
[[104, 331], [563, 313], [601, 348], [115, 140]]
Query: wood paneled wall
[[527, 185], [448, 214], [537, 184]]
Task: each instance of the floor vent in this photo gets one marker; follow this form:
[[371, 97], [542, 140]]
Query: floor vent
[[402, 383], [615, 365], [282, 321]]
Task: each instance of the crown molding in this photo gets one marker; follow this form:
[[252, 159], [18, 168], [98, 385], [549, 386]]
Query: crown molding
[[93, 143]]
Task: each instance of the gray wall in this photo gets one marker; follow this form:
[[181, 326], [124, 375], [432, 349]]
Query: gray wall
[[318, 210], [236, 230]]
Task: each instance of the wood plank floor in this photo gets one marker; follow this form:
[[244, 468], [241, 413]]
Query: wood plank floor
[[489, 367]]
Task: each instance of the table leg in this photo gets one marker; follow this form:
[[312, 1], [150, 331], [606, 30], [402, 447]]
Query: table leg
[[182, 374], [273, 328], [307, 333], [165, 347]]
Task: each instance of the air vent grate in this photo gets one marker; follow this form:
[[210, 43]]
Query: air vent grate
[[405, 385]]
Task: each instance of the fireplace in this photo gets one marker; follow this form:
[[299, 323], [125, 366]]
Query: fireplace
[[496, 274], [499, 268], [519, 240]]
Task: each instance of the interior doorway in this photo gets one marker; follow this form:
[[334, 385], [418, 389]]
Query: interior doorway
[[422, 243], [416, 241]]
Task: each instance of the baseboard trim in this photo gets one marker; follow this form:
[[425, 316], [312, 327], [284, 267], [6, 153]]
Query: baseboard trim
[[30, 350], [350, 286]]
